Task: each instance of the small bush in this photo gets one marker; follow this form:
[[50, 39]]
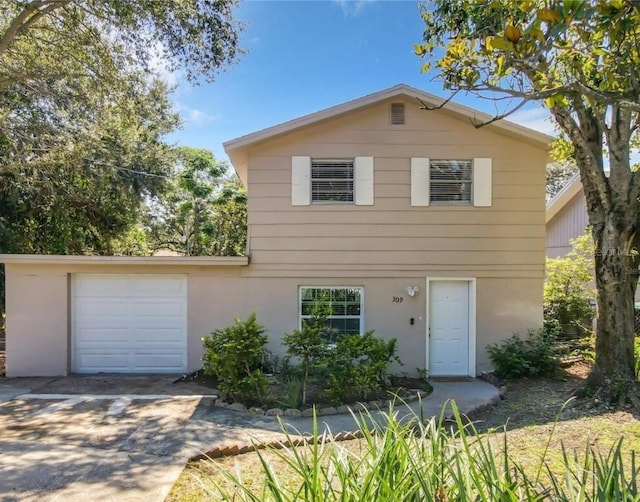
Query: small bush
[[532, 356], [357, 366], [567, 295], [234, 355]]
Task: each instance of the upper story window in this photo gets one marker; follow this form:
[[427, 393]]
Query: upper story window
[[450, 181], [332, 180]]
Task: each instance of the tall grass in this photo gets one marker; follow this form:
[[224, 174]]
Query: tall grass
[[441, 460]]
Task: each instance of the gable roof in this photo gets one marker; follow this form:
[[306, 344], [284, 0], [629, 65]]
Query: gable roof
[[236, 148], [562, 198]]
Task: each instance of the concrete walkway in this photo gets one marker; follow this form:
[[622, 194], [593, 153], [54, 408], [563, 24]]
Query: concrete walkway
[[66, 439]]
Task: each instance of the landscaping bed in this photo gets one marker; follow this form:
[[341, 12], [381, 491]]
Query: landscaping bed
[[323, 369], [283, 391], [282, 398]]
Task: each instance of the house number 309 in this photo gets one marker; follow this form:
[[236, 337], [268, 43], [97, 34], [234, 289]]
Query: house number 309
[[397, 299]]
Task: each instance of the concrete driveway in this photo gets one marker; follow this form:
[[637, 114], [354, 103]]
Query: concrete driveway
[[120, 438], [110, 438]]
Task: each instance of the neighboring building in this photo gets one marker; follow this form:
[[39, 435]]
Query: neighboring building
[[566, 217], [415, 223]]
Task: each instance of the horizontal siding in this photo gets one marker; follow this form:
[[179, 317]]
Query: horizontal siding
[[426, 259], [275, 204], [445, 137], [392, 244], [318, 271], [399, 188], [445, 216], [392, 236], [365, 270], [341, 229], [262, 178], [569, 223]]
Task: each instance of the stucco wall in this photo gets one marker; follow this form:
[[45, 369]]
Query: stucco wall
[[37, 322], [39, 328], [504, 306]]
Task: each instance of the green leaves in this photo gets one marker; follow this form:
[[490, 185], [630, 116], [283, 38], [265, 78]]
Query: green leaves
[[83, 120], [202, 212], [234, 355], [199, 36], [357, 366], [580, 58], [567, 41]]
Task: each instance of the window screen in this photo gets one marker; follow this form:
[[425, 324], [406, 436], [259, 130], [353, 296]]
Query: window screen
[[450, 181], [332, 180]]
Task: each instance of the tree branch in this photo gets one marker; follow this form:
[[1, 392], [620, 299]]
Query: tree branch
[[588, 146], [425, 106], [478, 125], [29, 15]]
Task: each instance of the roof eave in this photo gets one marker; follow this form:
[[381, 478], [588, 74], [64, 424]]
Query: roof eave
[[537, 138], [561, 199], [39, 259]]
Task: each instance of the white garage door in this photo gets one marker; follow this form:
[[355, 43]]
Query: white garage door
[[129, 324]]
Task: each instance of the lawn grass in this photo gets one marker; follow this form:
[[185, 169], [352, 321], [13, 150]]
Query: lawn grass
[[534, 428]]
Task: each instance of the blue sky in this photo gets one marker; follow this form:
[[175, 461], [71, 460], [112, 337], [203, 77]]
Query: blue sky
[[303, 56]]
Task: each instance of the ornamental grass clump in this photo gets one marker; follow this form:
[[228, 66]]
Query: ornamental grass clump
[[404, 458]]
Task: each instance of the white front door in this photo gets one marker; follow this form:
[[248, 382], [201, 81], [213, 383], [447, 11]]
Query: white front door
[[129, 323], [448, 328]]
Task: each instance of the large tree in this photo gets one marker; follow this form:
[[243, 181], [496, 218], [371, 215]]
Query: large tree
[[202, 212], [83, 120], [71, 183], [197, 36], [581, 59]]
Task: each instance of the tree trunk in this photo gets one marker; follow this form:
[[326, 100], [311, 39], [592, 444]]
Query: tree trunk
[[613, 208], [613, 375]]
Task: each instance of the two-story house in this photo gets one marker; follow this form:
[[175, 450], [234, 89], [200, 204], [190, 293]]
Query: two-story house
[[413, 223]]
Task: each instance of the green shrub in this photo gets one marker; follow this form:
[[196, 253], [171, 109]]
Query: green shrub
[[566, 290], [357, 366], [532, 356], [234, 355]]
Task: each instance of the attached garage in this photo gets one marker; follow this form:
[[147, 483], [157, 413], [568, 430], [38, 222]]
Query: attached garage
[[116, 314], [129, 323]]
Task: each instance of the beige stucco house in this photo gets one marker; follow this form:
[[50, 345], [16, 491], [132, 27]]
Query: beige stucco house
[[415, 223]]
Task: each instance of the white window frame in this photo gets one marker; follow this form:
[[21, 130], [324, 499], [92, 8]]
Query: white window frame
[[434, 183], [481, 183], [360, 317], [352, 179], [363, 181]]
